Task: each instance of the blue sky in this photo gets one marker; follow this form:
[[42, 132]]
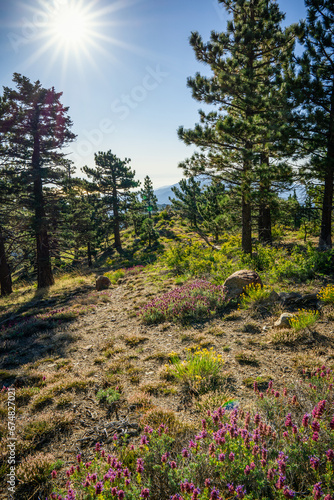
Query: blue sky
[[125, 78]]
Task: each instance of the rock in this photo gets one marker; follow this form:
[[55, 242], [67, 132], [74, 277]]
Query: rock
[[284, 320], [310, 301], [235, 284], [102, 283], [295, 300], [273, 296], [290, 299]]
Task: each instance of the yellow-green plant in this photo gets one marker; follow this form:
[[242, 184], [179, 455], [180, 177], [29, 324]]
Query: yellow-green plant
[[327, 294], [253, 293], [304, 319], [114, 276], [200, 371]]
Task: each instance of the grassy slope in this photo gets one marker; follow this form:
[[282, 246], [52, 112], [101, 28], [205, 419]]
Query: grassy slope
[[58, 362]]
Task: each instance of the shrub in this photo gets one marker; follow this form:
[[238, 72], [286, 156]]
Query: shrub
[[254, 293], [304, 319], [199, 373], [115, 276], [36, 468], [192, 301], [108, 395]]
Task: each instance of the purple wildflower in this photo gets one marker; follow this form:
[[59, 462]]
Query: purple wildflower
[[145, 493], [305, 420], [314, 462], [331, 425], [317, 492], [230, 487], [288, 420], [280, 482], [144, 440], [214, 494], [140, 465], [98, 488], [288, 493], [70, 495], [240, 491], [315, 426]]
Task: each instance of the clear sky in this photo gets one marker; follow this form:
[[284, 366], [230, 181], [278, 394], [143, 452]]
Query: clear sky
[[122, 66]]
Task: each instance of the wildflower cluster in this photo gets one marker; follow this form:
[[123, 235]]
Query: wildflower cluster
[[279, 452], [304, 319], [192, 301], [199, 372], [327, 294]]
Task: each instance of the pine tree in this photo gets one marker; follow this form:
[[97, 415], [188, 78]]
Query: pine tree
[[314, 92], [148, 197], [113, 179], [135, 212], [215, 209], [247, 62], [187, 197], [34, 126]]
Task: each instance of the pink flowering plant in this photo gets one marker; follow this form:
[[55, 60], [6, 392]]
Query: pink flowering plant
[[280, 451], [193, 301]]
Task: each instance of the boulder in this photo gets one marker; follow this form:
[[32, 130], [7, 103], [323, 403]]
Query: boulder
[[235, 284], [102, 283], [284, 320], [295, 300]]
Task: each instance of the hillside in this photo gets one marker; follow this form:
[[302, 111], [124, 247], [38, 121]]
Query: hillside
[[67, 349]]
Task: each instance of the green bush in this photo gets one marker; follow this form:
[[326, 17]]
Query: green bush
[[108, 395]]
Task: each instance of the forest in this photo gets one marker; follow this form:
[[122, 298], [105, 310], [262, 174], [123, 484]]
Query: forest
[[159, 384]]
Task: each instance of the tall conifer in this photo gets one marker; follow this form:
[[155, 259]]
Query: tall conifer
[[247, 86], [314, 93], [113, 179], [34, 126]]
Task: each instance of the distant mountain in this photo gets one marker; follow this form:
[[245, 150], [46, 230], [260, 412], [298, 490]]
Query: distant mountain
[[165, 192]]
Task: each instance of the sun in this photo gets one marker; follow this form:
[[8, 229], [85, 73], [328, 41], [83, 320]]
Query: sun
[[71, 25], [72, 35]]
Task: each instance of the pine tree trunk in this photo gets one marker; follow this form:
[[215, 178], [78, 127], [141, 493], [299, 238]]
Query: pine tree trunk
[[57, 254], [44, 270], [5, 275], [246, 237], [89, 254], [264, 220], [117, 236], [325, 240], [264, 224]]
